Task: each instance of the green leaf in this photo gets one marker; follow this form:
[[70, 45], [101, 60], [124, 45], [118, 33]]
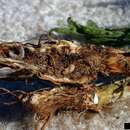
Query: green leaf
[[93, 34]]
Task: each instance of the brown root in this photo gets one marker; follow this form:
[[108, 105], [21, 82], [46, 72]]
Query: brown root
[[17, 94], [62, 61], [45, 103], [74, 97]]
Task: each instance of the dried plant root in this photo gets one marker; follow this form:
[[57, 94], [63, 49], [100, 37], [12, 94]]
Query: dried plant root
[[45, 103], [62, 61]]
